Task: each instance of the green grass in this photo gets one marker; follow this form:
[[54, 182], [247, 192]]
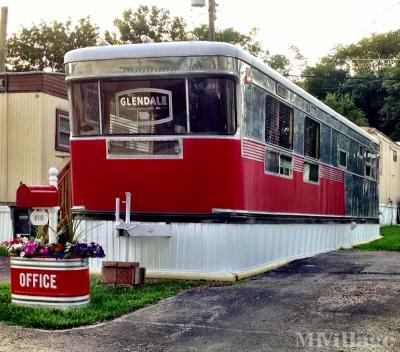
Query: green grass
[[107, 302], [3, 251], [389, 242]]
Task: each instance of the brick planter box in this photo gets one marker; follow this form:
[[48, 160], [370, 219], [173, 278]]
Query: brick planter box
[[122, 273]]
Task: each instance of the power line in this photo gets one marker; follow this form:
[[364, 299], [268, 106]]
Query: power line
[[346, 78], [380, 16], [356, 59]]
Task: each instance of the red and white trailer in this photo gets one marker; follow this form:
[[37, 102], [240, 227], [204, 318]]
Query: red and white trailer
[[227, 168]]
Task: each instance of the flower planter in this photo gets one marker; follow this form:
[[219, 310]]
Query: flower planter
[[49, 282]]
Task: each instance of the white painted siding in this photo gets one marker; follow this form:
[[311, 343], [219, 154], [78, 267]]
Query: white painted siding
[[5, 224], [388, 214], [225, 248]]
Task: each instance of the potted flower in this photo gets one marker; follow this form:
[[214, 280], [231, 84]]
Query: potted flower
[[52, 275]]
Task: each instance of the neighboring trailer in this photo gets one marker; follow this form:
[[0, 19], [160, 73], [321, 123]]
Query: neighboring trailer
[[34, 133], [389, 178], [232, 168]]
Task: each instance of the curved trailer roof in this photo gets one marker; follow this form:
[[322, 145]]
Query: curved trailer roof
[[182, 49]]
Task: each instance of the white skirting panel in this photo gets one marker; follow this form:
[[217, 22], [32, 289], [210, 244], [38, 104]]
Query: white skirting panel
[[388, 214], [5, 224], [205, 250]]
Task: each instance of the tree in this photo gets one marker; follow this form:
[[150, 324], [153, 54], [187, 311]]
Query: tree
[[371, 54], [368, 94], [279, 63], [43, 46], [344, 105], [391, 103], [230, 35], [366, 71], [160, 26], [154, 22], [325, 77]]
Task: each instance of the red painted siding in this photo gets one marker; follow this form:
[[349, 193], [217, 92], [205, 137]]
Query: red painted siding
[[212, 174]]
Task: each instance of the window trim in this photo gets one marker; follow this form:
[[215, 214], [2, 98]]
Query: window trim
[[306, 161], [291, 123], [284, 90], [319, 138], [58, 146], [374, 169], [278, 173], [110, 156], [394, 155], [340, 166], [99, 80]]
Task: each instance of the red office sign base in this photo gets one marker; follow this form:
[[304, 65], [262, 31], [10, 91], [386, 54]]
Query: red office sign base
[[50, 282]]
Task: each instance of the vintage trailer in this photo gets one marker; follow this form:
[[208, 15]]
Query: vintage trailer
[[232, 168]]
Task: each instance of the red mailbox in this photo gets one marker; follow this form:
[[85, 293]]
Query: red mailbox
[[36, 196]]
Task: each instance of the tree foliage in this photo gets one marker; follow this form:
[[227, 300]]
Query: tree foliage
[[390, 110], [371, 54], [43, 46], [160, 26], [156, 23], [344, 105], [367, 73], [325, 77]]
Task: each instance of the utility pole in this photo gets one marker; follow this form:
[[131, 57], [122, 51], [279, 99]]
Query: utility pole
[[3, 38], [211, 20]]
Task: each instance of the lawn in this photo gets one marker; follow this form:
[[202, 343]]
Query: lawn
[[389, 242], [107, 302]]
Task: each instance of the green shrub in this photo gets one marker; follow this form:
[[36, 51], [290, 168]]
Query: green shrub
[[3, 251]]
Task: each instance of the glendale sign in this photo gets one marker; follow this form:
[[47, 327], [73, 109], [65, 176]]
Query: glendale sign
[[157, 101], [144, 106]]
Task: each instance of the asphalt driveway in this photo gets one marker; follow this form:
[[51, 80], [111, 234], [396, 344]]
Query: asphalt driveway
[[340, 301]]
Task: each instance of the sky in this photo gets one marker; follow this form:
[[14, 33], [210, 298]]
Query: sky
[[314, 26]]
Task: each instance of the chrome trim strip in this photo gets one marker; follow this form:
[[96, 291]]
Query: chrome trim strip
[[100, 111], [221, 210], [143, 156], [16, 266], [187, 105], [50, 299], [235, 136], [49, 263]]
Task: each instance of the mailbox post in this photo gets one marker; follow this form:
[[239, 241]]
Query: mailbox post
[[42, 203]]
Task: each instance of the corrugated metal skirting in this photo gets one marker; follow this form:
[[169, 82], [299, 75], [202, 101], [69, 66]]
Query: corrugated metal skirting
[[5, 224], [224, 248]]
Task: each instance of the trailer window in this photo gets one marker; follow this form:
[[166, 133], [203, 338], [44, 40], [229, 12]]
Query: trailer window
[[311, 138], [310, 172], [371, 164], [144, 107], [212, 105], [342, 159], [85, 112], [278, 163], [278, 123]]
